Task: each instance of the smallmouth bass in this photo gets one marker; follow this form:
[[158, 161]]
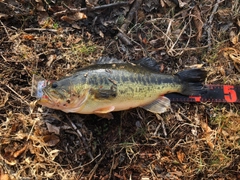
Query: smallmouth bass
[[103, 88]]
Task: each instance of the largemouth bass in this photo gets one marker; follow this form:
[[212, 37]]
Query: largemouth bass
[[103, 88]]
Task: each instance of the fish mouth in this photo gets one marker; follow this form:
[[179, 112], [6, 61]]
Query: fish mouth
[[46, 99], [51, 97], [47, 95]]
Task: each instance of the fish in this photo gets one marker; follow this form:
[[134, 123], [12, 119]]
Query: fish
[[104, 88]]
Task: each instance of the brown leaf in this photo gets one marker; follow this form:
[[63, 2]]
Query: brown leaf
[[234, 37], [205, 127], [52, 128], [142, 37], [40, 7], [207, 134], [235, 57], [43, 19], [51, 58], [180, 156], [4, 177], [3, 16], [197, 21], [28, 37], [3, 98], [91, 3], [74, 17], [182, 4], [20, 151], [51, 140]]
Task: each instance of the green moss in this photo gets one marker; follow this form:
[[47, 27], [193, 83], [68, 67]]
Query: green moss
[[83, 49]]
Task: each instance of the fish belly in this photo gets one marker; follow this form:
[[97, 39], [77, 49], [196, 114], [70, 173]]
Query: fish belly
[[126, 100]]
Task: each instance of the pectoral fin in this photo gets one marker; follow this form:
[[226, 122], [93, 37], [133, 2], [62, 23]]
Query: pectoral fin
[[158, 106], [108, 116], [104, 110]]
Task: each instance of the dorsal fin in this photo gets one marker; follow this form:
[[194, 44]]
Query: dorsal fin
[[108, 60], [145, 62], [148, 63]]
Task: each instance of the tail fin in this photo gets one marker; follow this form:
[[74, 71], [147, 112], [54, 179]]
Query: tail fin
[[192, 80]]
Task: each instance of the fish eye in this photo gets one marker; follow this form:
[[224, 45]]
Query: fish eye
[[54, 85]]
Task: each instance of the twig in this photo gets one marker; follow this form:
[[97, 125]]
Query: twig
[[74, 10], [40, 30], [156, 130], [5, 29], [122, 34], [45, 29], [96, 166], [3, 57], [79, 167], [4, 98], [17, 94], [209, 27], [131, 14], [163, 124], [81, 137], [111, 169], [124, 38]]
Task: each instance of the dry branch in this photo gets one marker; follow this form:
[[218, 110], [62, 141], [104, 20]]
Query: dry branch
[[81, 137], [123, 30], [209, 27], [74, 10]]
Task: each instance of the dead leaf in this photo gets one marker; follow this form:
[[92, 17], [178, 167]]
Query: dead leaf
[[3, 98], [151, 5], [43, 19], [53, 129], [76, 26], [3, 16], [205, 127], [208, 132], [4, 177], [39, 6], [20, 151], [28, 37], [54, 153], [180, 156], [197, 19], [182, 4], [142, 37], [233, 37], [91, 3], [51, 140], [234, 55], [51, 58], [74, 17], [162, 3], [12, 151], [141, 16]]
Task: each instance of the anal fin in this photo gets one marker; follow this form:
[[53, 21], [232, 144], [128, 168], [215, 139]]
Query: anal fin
[[158, 106]]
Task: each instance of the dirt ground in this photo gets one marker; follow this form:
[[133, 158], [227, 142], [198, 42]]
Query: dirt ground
[[54, 38]]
